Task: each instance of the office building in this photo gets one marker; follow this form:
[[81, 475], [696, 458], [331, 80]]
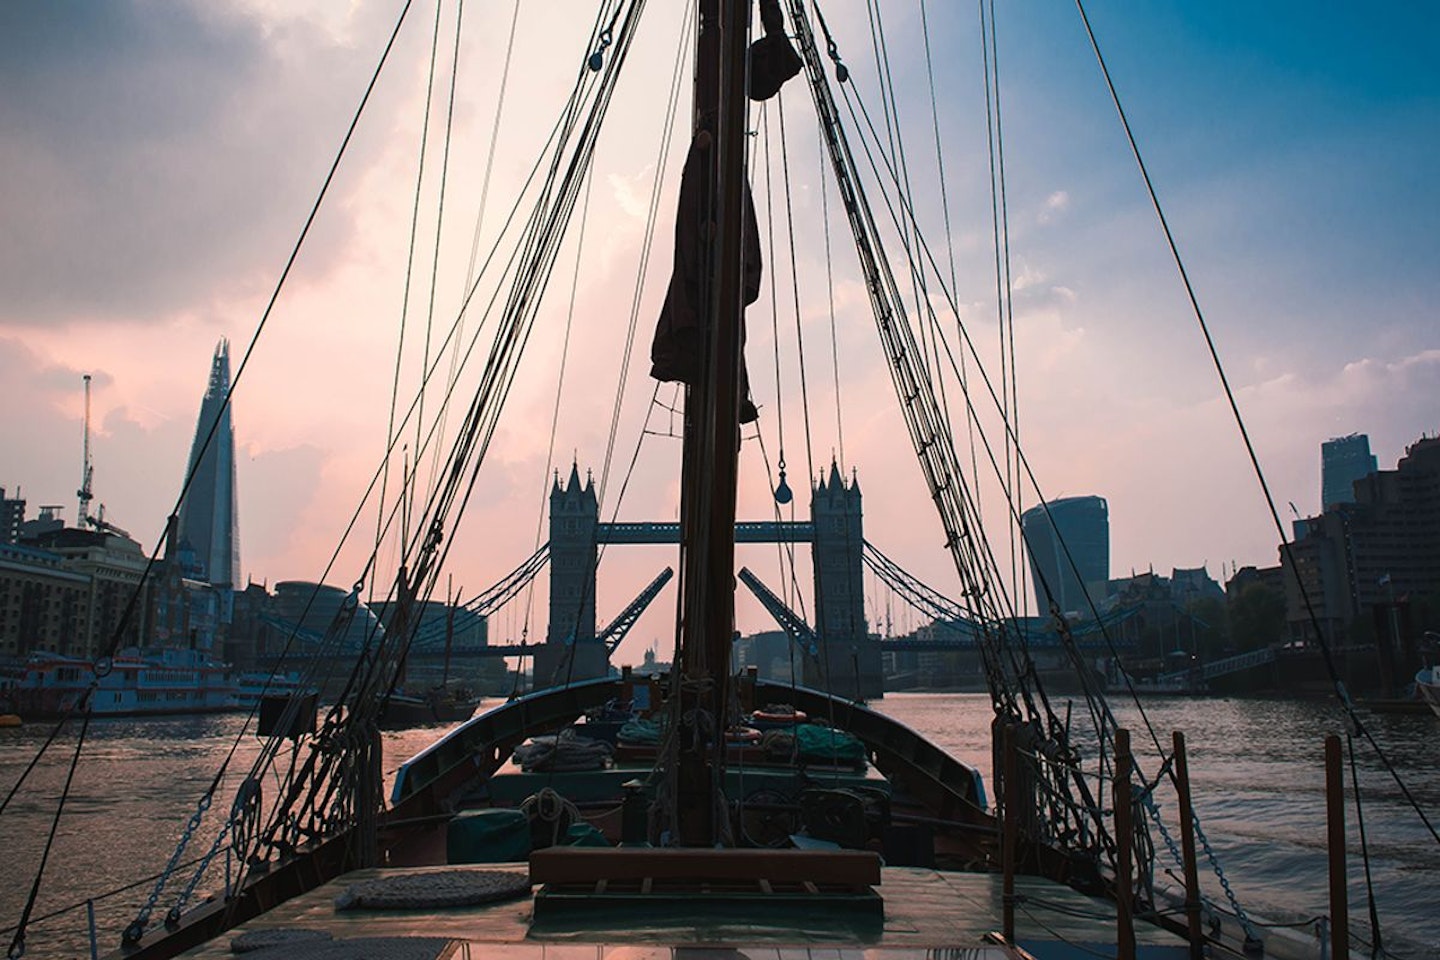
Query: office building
[[207, 515], [1069, 545], [1343, 460], [12, 514], [1382, 548]]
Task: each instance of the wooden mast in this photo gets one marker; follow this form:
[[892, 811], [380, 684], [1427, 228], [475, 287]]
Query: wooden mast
[[712, 431]]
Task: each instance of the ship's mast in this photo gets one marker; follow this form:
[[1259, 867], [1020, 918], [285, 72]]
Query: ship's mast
[[712, 430], [87, 469]]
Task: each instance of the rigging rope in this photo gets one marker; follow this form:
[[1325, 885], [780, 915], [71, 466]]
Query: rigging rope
[[652, 214], [830, 296], [657, 184], [1004, 301], [555, 410], [949, 242], [435, 256], [128, 613], [321, 823], [983, 588], [409, 268], [1341, 695], [795, 288]]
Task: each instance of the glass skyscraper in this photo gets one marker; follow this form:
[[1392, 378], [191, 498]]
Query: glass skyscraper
[[1081, 526], [207, 514], [1343, 460]]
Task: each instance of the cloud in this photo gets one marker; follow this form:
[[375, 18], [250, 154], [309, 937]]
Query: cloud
[[156, 157], [632, 192], [1055, 205]]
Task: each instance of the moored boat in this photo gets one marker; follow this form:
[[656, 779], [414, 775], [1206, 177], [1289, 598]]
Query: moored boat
[[253, 686], [444, 703], [1427, 687], [136, 682]]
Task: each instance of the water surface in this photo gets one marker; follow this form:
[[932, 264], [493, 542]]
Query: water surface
[[1256, 766]]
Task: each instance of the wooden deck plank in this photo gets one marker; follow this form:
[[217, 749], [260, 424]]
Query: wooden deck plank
[[923, 909]]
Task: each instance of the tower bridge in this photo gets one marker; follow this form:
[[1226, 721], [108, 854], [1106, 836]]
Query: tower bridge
[[849, 658], [837, 652]]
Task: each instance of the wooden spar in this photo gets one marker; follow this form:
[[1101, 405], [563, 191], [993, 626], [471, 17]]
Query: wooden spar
[[1187, 847], [1124, 839], [712, 431], [1335, 843]]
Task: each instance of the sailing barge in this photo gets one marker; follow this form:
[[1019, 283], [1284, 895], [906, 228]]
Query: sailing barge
[[840, 834]]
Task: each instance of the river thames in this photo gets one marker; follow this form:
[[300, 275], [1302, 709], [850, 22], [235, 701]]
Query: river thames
[[1256, 767]]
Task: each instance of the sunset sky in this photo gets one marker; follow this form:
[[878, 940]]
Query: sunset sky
[[158, 159]]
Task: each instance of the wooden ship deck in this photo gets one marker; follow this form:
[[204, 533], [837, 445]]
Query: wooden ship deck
[[923, 913]]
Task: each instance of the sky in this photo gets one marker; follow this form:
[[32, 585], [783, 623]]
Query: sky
[[159, 160]]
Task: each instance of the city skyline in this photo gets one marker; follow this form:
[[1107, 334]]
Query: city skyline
[[162, 166]]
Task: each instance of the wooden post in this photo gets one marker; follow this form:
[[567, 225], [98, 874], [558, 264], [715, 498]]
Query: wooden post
[[1124, 837], [1187, 848], [1010, 825], [1335, 843]]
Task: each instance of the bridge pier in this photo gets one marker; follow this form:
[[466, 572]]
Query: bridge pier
[[571, 651], [850, 662]]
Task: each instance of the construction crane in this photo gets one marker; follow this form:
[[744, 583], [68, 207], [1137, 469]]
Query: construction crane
[[87, 469]]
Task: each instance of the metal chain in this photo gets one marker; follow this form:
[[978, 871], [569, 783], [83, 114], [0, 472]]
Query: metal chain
[[172, 916], [136, 929], [1239, 911], [241, 810]]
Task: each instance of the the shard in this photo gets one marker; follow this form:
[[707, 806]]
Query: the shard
[[207, 514]]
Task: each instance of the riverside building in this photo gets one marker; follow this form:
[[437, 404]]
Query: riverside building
[[1379, 550]]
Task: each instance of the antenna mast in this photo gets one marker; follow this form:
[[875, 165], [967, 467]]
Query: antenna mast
[[87, 469]]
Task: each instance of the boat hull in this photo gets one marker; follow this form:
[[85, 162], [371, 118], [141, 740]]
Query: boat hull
[[1427, 687]]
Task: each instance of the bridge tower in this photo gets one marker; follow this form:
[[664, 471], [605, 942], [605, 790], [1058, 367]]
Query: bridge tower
[[574, 522], [850, 663]]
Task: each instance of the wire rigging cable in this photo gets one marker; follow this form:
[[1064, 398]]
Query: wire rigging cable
[[1004, 300], [983, 588], [17, 942], [1341, 695], [409, 268], [667, 136], [439, 231], [324, 778]]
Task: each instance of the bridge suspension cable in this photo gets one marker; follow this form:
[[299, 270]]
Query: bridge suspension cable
[[488, 601]]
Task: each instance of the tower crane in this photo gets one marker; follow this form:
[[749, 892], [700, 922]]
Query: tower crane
[[87, 469]]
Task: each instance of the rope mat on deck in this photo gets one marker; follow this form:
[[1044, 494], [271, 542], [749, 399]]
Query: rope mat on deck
[[427, 891], [356, 948]]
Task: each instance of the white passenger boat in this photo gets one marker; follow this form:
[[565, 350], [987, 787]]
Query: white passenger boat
[[136, 682]]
